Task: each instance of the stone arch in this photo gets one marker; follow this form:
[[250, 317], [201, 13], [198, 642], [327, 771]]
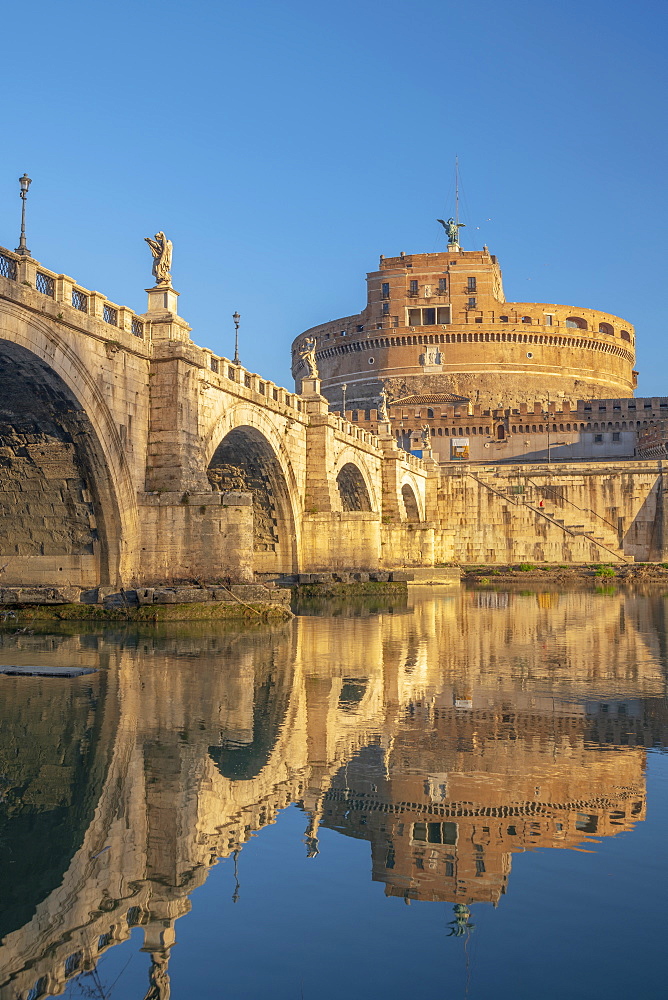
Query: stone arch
[[262, 425], [353, 489], [57, 428], [245, 460], [410, 503]]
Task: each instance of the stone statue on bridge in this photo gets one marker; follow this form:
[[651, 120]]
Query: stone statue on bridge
[[307, 354], [161, 248], [426, 437], [383, 415]]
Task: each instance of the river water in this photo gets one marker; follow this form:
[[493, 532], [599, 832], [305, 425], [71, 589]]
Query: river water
[[452, 794]]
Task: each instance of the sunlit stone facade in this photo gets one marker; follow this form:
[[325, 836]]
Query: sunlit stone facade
[[440, 323]]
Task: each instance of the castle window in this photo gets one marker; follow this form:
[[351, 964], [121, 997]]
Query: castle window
[[616, 436], [625, 335], [500, 432], [598, 438], [471, 285], [526, 319], [429, 317], [360, 329], [478, 319], [548, 319], [503, 319], [430, 413], [385, 289], [576, 323], [472, 304], [606, 328], [442, 285], [415, 317], [443, 315], [413, 287], [371, 361], [386, 308]]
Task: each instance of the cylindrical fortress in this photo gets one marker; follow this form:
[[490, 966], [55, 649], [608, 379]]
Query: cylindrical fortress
[[439, 323]]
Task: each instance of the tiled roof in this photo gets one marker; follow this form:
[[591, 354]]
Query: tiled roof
[[434, 397]]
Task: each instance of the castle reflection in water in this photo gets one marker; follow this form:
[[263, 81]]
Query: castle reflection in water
[[449, 734]]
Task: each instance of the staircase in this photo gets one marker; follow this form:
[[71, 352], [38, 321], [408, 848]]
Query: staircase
[[564, 515]]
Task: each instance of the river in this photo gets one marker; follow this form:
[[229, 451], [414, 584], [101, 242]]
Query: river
[[458, 793]]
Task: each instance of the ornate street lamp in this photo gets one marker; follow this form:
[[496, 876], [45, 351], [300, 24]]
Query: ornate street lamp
[[236, 317], [25, 183]]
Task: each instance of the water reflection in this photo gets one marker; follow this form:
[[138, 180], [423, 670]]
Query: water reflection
[[449, 733]]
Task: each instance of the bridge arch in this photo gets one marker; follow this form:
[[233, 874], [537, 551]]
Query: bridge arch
[[411, 507], [76, 521], [244, 451], [355, 483]]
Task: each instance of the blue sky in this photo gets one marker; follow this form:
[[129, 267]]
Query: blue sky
[[283, 147]]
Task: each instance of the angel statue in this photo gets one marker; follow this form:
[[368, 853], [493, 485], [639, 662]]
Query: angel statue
[[307, 354], [383, 414], [161, 248], [452, 229], [426, 436]]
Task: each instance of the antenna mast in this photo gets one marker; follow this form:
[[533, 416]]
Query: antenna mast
[[457, 189]]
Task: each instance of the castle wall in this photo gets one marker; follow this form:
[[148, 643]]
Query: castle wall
[[440, 323]]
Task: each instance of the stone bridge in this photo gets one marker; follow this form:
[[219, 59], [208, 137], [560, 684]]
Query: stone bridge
[[131, 455]]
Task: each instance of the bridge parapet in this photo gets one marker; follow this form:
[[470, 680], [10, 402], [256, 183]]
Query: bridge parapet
[[64, 299]]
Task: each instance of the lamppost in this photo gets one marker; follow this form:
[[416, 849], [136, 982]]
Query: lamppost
[[236, 317], [548, 428], [343, 397], [25, 183]]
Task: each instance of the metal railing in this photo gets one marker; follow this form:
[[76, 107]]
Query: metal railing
[[79, 300], [137, 327], [7, 267], [45, 284], [110, 315]]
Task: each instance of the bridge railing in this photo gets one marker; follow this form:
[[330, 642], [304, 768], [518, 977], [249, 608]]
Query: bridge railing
[[232, 372], [65, 290]]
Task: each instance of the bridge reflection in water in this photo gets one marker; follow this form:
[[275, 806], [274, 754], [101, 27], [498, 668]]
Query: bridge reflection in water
[[449, 734]]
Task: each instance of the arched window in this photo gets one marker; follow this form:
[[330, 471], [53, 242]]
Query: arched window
[[625, 335], [576, 323], [526, 319], [430, 413], [606, 328], [500, 432]]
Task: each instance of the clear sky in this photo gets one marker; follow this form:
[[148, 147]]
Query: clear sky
[[284, 146]]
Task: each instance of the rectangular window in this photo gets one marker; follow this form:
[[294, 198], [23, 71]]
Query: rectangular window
[[413, 287], [442, 285], [385, 290], [428, 317], [472, 304], [616, 436], [598, 438], [443, 314], [548, 319], [415, 317], [472, 285], [386, 308]]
